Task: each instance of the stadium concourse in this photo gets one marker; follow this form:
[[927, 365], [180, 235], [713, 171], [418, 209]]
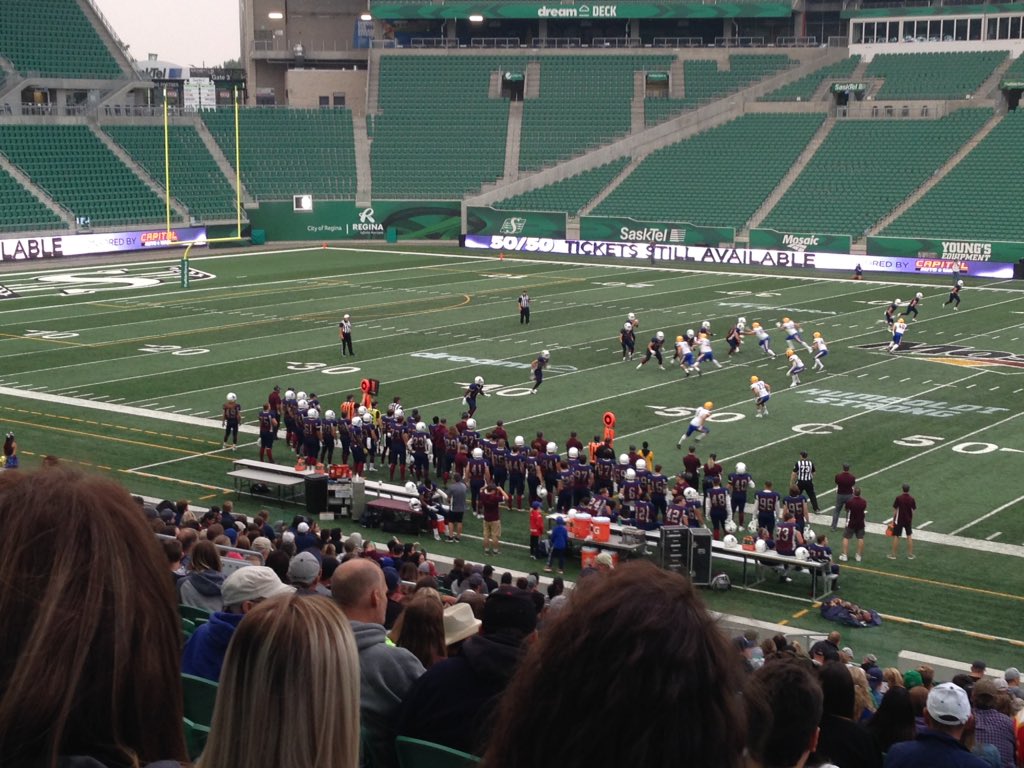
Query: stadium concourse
[[691, 383]]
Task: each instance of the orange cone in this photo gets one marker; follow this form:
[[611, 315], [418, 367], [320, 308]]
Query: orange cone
[[501, 256]]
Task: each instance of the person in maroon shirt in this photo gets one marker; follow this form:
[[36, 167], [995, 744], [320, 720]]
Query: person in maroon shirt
[[844, 492], [903, 514], [691, 466], [499, 433], [489, 502], [574, 442], [856, 511]]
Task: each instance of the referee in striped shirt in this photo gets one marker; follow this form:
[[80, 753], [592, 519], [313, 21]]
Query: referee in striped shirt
[[803, 478], [524, 308]]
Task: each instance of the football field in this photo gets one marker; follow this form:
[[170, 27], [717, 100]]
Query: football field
[[118, 368]]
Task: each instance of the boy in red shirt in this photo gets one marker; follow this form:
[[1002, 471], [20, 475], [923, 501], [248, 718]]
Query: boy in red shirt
[[536, 528]]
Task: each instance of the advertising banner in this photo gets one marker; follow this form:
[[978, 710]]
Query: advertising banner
[[344, 220], [554, 10], [482, 220], [628, 230], [931, 248], [774, 260], [800, 241], [59, 246]]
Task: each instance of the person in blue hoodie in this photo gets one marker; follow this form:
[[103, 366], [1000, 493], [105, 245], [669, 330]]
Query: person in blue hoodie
[[204, 652], [559, 545]]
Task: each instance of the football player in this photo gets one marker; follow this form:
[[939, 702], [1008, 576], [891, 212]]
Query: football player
[[311, 436], [735, 336], [697, 423], [764, 341], [633, 321], [706, 353], [793, 334], [767, 501], [796, 505], [397, 440], [718, 507], [820, 351], [470, 395], [328, 435], [897, 334], [538, 367], [912, 306], [796, 367], [627, 338], [232, 417], [654, 348], [268, 431], [890, 313], [762, 394], [418, 443], [739, 483], [684, 353], [954, 295]]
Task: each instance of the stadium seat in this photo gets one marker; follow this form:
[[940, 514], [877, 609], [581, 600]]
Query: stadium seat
[[569, 195], [195, 738], [932, 75], [200, 697], [188, 627], [416, 753], [21, 211], [804, 88], [193, 614]]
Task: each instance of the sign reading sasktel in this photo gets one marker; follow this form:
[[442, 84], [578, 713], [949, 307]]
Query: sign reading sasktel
[[773, 259]]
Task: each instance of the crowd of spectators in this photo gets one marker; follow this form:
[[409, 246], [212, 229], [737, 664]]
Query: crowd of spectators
[[327, 647]]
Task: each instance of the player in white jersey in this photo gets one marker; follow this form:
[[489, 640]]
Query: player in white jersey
[[706, 355], [897, 334], [796, 367], [697, 423], [683, 354], [792, 331], [764, 341], [762, 393], [820, 351]]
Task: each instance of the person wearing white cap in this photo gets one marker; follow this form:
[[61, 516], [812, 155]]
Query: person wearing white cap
[[204, 652], [946, 714]]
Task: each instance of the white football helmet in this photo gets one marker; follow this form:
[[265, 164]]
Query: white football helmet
[[691, 494], [706, 324], [478, 453], [519, 442], [752, 526], [346, 317], [631, 316], [627, 327], [810, 536], [411, 487], [895, 301], [421, 426], [730, 541], [303, 404], [551, 448], [959, 283], [356, 421], [660, 336], [741, 468], [479, 380], [574, 453], [330, 415], [919, 295], [631, 474], [689, 332], [641, 464], [741, 321], [361, 410], [232, 397], [802, 553], [415, 506], [471, 424], [760, 545], [730, 526], [545, 354], [399, 413], [542, 492], [367, 418], [624, 459], [313, 413], [289, 394], [301, 395]]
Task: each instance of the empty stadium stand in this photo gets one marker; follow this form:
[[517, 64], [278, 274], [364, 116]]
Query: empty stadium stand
[[584, 102], [1014, 72], [286, 152], [704, 82], [865, 168], [80, 173], [21, 211], [54, 39], [196, 179], [716, 178], [804, 88], [979, 198], [932, 75], [569, 195], [438, 134]]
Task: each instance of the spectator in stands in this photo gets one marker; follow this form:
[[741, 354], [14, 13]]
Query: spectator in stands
[[386, 673], [893, 678], [89, 647], [794, 695], [420, 628], [396, 602], [864, 703], [992, 726], [289, 693], [843, 740], [306, 537], [927, 676], [10, 452], [827, 649], [946, 713], [453, 702], [894, 720], [278, 561], [918, 700], [173, 552], [243, 590], [201, 587], [304, 575], [978, 669], [658, 616], [1012, 677]]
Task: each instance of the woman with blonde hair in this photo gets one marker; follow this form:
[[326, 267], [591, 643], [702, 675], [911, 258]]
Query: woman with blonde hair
[[864, 702], [893, 678], [289, 690]]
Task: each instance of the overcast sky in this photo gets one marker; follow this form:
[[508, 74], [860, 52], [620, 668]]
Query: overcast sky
[[186, 32]]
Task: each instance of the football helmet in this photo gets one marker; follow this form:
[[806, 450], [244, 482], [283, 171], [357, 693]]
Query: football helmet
[[551, 448], [479, 380], [471, 424], [802, 553], [574, 453], [478, 453], [330, 415], [741, 468], [519, 442], [631, 474], [660, 336], [313, 413], [232, 397]]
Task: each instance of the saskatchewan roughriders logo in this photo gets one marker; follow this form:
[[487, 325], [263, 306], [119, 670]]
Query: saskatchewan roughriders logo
[[955, 354], [513, 225]]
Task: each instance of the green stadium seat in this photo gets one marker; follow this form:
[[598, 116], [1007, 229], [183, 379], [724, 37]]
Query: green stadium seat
[[804, 88], [21, 211], [200, 697], [195, 738], [932, 75], [416, 753], [569, 195]]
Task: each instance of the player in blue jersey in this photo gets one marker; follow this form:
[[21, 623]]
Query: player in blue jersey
[[418, 446], [397, 449], [328, 437], [954, 295], [471, 393], [898, 330], [718, 508], [311, 436], [734, 338], [890, 313], [767, 501], [820, 552], [913, 305], [231, 418], [499, 457], [355, 431], [654, 348], [517, 470], [627, 338], [694, 508], [268, 432], [658, 484], [796, 505], [538, 367], [739, 483]]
